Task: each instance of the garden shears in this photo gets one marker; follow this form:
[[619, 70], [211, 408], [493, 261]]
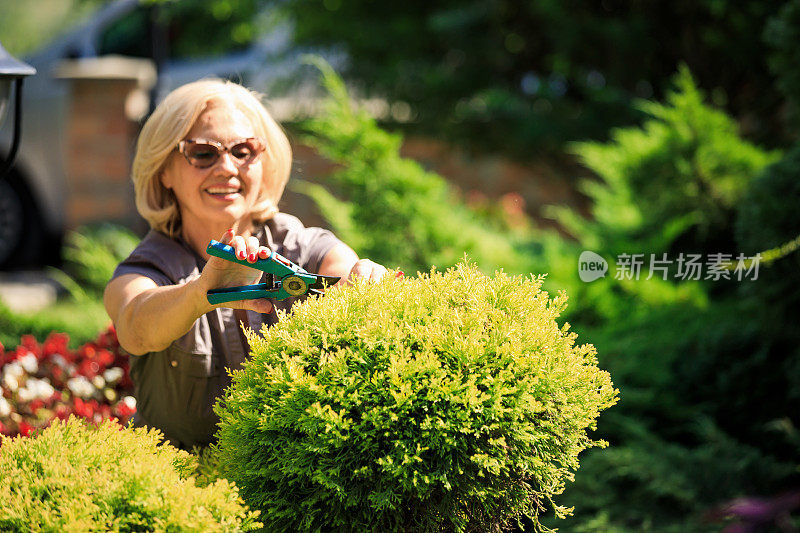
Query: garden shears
[[284, 278]]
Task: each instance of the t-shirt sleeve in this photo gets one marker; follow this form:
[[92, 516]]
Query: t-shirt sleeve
[[305, 246], [143, 268], [149, 259], [320, 242]]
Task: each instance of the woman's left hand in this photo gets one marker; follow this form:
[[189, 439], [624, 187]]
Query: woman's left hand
[[342, 261], [364, 269]]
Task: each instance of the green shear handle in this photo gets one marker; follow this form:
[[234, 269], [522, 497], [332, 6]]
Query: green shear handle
[[285, 279]]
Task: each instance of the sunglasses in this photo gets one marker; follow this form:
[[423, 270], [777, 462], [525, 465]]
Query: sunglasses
[[204, 153]]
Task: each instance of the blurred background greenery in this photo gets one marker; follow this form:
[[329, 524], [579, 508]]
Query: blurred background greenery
[[683, 113]]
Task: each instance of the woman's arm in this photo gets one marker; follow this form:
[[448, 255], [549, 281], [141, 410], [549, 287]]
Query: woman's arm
[[149, 318]]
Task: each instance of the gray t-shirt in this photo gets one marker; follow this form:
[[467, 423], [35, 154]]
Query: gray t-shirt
[[176, 388]]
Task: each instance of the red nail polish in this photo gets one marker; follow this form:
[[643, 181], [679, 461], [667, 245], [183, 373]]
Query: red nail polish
[[242, 255], [252, 257]]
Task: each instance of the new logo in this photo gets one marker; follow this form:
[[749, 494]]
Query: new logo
[[591, 266]]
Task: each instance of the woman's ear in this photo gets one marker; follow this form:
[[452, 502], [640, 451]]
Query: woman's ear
[[166, 179]]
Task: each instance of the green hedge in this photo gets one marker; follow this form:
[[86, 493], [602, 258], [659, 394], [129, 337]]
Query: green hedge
[[449, 402], [73, 477]]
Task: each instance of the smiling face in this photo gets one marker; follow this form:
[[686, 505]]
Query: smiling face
[[222, 195]]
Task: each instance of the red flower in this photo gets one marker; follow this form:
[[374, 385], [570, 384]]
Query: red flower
[[30, 344], [35, 405], [124, 411], [56, 343], [57, 375], [87, 350], [63, 412], [105, 358], [88, 368], [84, 409], [25, 429]]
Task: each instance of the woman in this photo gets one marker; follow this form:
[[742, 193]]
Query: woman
[[210, 163]]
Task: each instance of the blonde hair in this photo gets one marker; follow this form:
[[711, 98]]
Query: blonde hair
[[171, 122]]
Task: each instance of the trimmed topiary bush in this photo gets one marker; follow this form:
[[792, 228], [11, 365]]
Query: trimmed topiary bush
[[449, 402], [74, 477]]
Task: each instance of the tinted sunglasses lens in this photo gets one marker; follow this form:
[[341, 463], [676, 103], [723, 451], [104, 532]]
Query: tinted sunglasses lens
[[201, 155], [244, 151]]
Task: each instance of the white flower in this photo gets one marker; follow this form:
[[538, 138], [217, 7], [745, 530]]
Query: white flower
[[80, 386], [29, 363], [5, 407], [24, 395], [130, 401], [112, 375], [99, 382], [11, 374], [69, 368], [40, 388], [14, 368]]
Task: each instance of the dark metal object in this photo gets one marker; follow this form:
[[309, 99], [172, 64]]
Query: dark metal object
[[13, 69]]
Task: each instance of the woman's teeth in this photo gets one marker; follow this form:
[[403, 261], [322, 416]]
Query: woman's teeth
[[222, 190]]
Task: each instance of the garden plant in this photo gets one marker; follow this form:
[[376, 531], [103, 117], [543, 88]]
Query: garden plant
[[45, 381], [684, 439], [90, 255], [388, 207], [448, 402], [79, 478]]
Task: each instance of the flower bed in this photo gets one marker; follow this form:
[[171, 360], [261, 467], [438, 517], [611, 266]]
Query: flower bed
[[41, 382]]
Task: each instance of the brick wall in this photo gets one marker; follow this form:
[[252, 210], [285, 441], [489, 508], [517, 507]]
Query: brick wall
[[107, 99], [99, 153]]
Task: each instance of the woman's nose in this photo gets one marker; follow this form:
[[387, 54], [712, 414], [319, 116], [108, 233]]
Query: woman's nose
[[228, 163]]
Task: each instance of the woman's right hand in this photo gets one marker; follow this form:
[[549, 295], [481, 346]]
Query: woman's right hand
[[149, 318], [219, 273]]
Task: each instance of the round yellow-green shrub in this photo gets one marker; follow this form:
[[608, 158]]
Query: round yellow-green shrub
[[74, 477], [448, 402]]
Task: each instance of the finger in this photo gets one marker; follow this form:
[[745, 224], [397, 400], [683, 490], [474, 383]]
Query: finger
[[362, 269], [261, 305], [239, 247], [252, 249], [377, 273], [227, 236], [264, 252]]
